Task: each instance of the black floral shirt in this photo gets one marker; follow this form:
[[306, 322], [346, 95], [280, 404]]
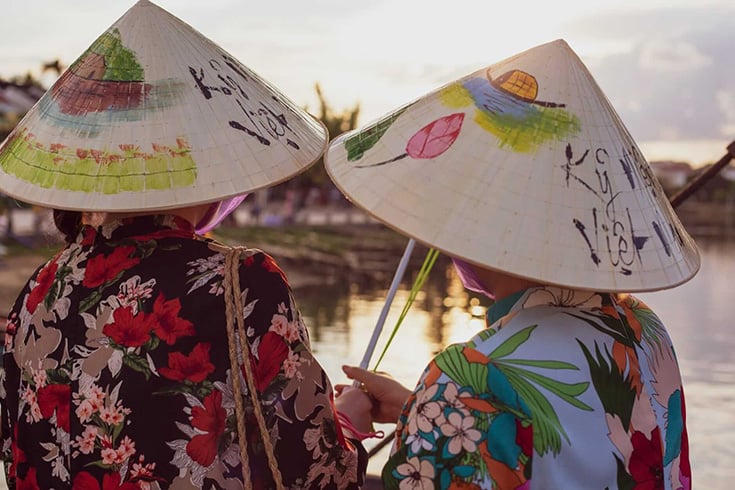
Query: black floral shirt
[[117, 373]]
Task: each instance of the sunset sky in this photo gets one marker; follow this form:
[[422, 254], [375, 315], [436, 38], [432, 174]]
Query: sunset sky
[[667, 66]]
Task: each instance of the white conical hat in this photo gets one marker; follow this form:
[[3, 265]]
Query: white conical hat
[[522, 167], [153, 116]]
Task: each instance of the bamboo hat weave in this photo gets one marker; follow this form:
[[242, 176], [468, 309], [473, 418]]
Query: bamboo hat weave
[[153, 115], [522, 167]]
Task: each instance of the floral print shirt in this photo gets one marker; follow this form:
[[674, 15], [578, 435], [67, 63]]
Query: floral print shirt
[[565, 389], [117, 373]]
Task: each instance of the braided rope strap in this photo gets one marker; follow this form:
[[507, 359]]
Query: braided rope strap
[[234, 314]]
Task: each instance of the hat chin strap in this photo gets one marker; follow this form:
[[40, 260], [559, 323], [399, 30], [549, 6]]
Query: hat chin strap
[[217, 212], [470, 279]]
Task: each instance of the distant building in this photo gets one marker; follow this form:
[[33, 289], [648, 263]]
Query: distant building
[[672, 175], [16, 98]]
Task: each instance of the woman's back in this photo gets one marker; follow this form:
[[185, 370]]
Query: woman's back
[[117, 370], [567, 389]]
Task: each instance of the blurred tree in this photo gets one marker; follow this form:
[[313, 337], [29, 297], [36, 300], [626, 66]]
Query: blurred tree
[[336, 124]]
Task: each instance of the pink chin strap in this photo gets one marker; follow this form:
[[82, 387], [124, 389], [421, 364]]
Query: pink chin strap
[[217, 212], [469, 277]]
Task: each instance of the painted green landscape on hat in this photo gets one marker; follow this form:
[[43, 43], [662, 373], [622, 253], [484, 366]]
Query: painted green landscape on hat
[[126, 169], [120, 63]]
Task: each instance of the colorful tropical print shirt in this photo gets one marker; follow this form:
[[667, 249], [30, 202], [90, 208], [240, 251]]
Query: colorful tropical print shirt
[[117, 373], [564, 390]]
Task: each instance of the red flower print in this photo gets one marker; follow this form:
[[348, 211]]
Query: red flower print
[[524, 437], [88, 236], [195, 367], [646, 462], [273, 351], [270, 265], [30, 482], [128, 330], [111, 481], [685, 469], [101, 269], [166, 322], [210, 419], [55, 398], [44, 279]]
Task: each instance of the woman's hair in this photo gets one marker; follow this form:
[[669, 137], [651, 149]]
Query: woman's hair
[[68, 223]]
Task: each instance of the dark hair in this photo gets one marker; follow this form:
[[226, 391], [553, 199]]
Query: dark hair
[[68, 223]]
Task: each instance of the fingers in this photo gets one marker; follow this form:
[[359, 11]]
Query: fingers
[[353, 372]]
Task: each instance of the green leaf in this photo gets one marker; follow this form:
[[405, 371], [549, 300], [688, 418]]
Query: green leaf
[[117, 430], [546, 426], [365, 139], [455, 365], [625, 480], [137, 363], [565, 391], [541, 364], [152, 343], [614, 390], [90, 300], [512, 343], [615, 327]]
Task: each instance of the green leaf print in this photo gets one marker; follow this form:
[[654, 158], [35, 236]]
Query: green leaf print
[[614, 390], [617, 328], [365, 139], [652, 330], [455, 365], [137, 363], [510, 345], [547, 428], [90, 300]]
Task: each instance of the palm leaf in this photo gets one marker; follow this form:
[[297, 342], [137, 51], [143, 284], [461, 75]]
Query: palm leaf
[[614, 390], [511, 343], [565, 391], [547, 429], [453, 363], [610, 326]]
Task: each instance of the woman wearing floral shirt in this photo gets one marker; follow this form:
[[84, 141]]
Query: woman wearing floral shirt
[[123, 367], [523, 173], [116, 370], [518, 406]]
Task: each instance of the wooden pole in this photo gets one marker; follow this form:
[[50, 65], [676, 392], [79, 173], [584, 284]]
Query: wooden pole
[[702, 178]]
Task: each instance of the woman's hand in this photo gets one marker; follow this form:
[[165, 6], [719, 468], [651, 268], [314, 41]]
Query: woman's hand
[[356, 405], [388, 395]]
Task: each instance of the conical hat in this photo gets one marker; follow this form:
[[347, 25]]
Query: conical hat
[[153, 116], [522, 167]]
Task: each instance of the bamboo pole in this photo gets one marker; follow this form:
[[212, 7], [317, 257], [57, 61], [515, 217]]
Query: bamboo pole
[[702, 178]]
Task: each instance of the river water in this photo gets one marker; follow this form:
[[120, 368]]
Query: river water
[[698, 314]]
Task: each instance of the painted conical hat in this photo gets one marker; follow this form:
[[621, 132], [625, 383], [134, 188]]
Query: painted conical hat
[[152, 116], [522, 167]]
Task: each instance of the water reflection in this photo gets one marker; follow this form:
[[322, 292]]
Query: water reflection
[[341, 318]]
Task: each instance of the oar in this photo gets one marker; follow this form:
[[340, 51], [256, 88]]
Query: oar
[[702, 178]]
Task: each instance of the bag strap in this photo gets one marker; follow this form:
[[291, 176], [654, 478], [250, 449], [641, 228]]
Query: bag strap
[[234, 314]]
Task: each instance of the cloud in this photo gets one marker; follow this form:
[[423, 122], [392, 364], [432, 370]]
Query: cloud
[[673, 79], [677, 56]]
